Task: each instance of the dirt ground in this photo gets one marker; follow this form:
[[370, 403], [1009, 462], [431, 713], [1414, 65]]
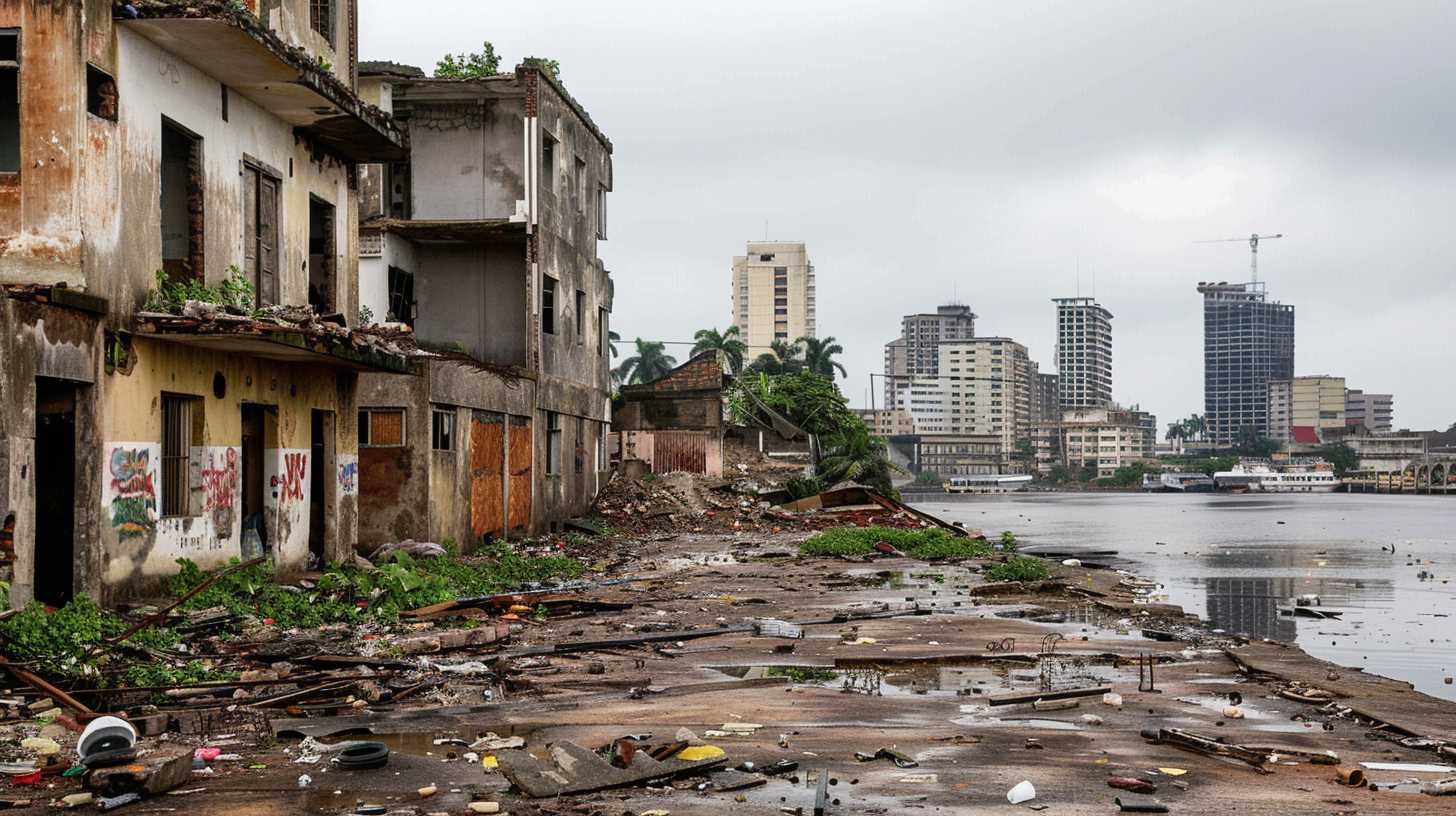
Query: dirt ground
[[917, 680]]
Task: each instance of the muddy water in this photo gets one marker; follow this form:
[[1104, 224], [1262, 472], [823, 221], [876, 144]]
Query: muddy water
[[1236, 560]]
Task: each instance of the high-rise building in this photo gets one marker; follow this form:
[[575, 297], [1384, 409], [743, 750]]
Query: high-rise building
[[1373, 411], [1307, 410], [773, 294], [1107, 438], [1247, 341], [915, 353], [1048, 398], [1084, 353]]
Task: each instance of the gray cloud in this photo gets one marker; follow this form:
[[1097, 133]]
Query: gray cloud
[[988, 151]]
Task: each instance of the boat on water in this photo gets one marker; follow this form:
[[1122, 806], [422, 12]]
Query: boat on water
[[1177, 483], [987, 483], [1264, 479]]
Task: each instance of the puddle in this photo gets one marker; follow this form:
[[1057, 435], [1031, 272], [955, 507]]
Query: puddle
[[1023, 722], [1218, 703], [951, 679]]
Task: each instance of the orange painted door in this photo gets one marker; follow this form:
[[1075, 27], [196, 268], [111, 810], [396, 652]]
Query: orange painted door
[[521, 458], [487, 474]]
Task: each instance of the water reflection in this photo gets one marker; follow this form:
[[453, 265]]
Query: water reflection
[[1250, 606]]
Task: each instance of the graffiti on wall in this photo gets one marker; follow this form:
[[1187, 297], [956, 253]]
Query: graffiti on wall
[[348, 476], [220, 488], [290, 484], [133, 491]]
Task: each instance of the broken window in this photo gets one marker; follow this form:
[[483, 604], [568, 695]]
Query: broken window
[[321, 256], [179, 415], [321, 18], [442, 429], [181, 199], [9, 101], [578, 178], [548, 304], [548, 161], [260, 233], [602, 213], [402, 305], [580, 449], [580, 317], [101, 98], [553, 443], [603, 338], [381, 427], [399, 188]]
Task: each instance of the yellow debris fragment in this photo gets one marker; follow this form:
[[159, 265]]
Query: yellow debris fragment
[[693, 753], [1172, 771]]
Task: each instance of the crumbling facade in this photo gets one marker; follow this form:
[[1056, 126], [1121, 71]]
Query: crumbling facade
[[674, 423], [187, 145], [484, 243]]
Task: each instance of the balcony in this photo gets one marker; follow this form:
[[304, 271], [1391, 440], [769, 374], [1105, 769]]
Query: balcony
[[238, 50]]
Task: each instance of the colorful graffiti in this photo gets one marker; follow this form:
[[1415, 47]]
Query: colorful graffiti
[[348, 478], [220, 489], [295, 471], [134, 496]]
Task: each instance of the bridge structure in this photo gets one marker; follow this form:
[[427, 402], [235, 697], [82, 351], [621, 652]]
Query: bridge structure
[[1433, 474]]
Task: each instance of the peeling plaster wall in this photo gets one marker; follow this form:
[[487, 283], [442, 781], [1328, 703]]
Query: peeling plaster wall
[[142, 546], [374, 274], [153, 84], [466, 158]]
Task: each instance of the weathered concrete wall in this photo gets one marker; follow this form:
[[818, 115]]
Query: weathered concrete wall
[[471, 154], [41, 340], [141, 545], [575, 380], [474, 296], [374, 274], [290, 20]]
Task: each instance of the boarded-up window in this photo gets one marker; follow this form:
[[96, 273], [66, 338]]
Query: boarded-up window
[[260, 234], [381, 427], [9, 101], [177, 431]]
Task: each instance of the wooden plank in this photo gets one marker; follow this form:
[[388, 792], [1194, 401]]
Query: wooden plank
[[487, 474]]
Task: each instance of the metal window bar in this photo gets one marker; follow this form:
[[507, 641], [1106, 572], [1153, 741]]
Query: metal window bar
[[176, 442]]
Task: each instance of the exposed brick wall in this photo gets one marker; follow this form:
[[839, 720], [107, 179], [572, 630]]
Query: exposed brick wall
[[700, 373]]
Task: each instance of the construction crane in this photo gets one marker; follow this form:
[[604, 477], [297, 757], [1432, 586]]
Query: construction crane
[[1253, 249]]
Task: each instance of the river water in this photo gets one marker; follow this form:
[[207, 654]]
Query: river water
[[1235, 559]]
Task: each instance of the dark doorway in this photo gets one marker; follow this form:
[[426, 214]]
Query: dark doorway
[[321, 287], [181, 192], [55, 490], [321, 469], [255, 530]]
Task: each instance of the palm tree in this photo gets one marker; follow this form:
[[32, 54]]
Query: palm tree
[[1196, 426], [1177, 430], [856, 455], [728, 345], [819, 356], [650, 363], [783, 358], [612, 339]]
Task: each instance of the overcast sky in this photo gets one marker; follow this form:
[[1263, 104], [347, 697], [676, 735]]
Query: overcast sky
[[930, 151]]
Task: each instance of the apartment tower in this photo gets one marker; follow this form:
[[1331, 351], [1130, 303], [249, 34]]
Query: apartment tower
[[1247, 341], [1084, 353], [773, 294], [916, 352]]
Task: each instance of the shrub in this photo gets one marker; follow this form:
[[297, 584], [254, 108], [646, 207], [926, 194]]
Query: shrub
[[1018, 568], [927, 544]]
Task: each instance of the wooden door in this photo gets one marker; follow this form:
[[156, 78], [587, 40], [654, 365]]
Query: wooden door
[[487, 474], [521, 458]]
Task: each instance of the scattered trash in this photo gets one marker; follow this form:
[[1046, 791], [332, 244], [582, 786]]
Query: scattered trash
[[1407, 767], [304, 780], [698, 753], [900, 760], [1443, 787], [1113, 699], [1137, 803], [573, 769], [427, 791], [1021, 792], [1353, 777], [363, 756], [1131, 783]]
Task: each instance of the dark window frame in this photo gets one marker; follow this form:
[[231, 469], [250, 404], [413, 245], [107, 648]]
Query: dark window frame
[[403, 304], [323, 19], [553, 443], [548, 304], [580, 317], [96, 80], [10, 165], [180, 416], [442, 428], [366, 424]]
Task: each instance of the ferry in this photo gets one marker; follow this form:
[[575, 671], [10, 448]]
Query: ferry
[[1177, 483], [1263, 479], [986, 483]]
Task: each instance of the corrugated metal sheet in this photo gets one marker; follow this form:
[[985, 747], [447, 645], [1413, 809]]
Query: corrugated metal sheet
[[685, 451]]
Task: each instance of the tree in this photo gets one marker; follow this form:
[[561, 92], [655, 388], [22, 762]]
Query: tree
[[1195, 426], [928, 477], [811, 402], [819, 356], [1342, 456], [782, 359], [469, 66], [1251, 443], [729, 346], [650, 363], [1059, 474], [1177, 430], [1088, 473], [1025, 451], [855, 455], [550, 66], [612, 339]]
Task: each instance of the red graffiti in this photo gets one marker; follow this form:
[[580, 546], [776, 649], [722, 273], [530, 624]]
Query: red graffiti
[[295, 469], [220, 482]]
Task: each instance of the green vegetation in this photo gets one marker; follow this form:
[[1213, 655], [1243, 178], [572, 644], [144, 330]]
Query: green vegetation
[[170, 295], [855, 455], [1008, 541], [810, 401], [485, 63], [144, 675], [352, 594], [805, 486], [930, 544], [59, 640], [651, 362], [781, 358], [1251, 443], [1342, 456], [801, 674], [728, 345], [819, 354], [928, 478], [1207, 465], [1018, 568], [1125, 476]]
